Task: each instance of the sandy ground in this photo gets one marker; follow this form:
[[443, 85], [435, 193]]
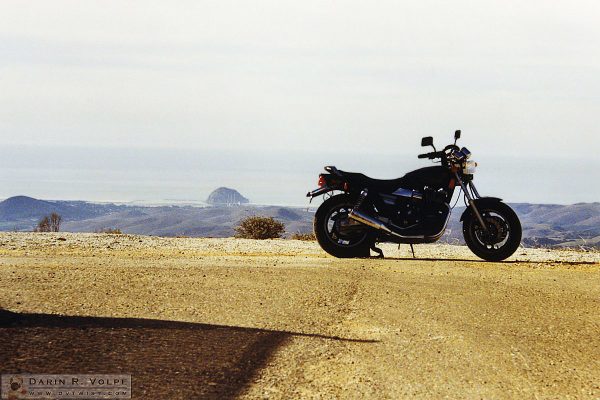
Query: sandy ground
[[229, 318]]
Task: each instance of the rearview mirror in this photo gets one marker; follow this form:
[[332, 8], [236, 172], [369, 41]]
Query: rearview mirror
[[457, 134], [427, 141]]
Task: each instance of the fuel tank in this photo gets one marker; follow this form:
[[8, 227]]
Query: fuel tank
[[433, 177]]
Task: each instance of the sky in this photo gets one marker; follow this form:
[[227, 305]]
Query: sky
[[521, 79]]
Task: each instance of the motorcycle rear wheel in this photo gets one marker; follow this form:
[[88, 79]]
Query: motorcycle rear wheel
[[503, 236], [329, 219]]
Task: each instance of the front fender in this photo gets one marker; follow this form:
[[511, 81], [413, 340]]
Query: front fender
[[479, 203]]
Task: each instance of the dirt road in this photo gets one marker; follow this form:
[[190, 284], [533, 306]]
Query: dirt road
[[226, 318]]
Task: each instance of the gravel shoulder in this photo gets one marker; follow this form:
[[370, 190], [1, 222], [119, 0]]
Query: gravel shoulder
[[230, 318]]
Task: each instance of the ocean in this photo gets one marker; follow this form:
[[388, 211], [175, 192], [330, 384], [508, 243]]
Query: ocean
[[187, 176]]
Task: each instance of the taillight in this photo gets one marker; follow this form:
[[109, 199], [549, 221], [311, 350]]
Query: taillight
[[322, 182]]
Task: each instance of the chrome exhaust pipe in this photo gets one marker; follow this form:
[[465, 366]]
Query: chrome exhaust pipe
[[370, 221]]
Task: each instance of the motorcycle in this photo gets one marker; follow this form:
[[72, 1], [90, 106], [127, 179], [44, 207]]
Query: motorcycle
[[361, 211]]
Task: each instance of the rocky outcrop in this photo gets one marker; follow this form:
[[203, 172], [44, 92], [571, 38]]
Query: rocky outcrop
[[226, 196]]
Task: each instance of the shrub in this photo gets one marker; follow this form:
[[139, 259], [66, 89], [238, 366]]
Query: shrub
[[259, 228], [55, 221], [49, 223], [304, 236], [43, 225], [110, 231]]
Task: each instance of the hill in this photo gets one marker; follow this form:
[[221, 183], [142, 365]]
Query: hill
[[23, 207], [548, 225], [217, 221], [23, 212]]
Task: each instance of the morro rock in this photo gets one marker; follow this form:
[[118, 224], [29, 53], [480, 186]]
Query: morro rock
[[226, 196]]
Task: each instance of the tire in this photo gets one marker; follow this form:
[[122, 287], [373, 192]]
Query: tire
[[358, 248], [474, 237]]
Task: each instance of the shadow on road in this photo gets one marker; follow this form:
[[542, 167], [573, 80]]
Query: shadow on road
[[167, 359]]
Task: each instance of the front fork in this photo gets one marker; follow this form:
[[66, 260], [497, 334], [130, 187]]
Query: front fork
[[471, 196]]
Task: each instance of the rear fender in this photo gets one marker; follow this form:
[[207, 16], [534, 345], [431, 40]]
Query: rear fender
[[319, 191], [328, 183], [481, 202]]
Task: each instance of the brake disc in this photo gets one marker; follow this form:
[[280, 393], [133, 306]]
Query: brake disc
[[497, 230]]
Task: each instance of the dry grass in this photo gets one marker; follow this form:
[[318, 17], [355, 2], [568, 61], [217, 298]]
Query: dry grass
[[111, 231], [304, 236]]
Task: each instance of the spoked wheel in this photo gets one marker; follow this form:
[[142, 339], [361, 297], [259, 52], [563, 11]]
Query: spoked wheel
[[339, 235], [502, 236]]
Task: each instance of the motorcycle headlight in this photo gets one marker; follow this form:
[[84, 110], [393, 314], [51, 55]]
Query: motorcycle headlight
[[469, 167]]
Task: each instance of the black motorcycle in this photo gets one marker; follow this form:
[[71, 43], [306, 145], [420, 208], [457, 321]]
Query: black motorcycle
[[412, 209]]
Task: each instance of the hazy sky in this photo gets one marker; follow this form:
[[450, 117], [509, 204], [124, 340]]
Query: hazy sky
[[516, 76]]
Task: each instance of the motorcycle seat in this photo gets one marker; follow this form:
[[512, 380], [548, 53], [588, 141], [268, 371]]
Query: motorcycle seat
[[380, 185]]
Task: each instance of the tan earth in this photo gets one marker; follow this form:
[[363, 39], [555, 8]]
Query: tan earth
[[229, 318]]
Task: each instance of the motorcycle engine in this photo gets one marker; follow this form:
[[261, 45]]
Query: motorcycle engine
[[407, 213], [410, 211]]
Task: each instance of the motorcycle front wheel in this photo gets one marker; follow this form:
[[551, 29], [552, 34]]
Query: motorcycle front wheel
[[339, 235], [502, 236]]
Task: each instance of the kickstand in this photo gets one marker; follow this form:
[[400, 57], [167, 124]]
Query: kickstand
[[413, 250], [378, 251]]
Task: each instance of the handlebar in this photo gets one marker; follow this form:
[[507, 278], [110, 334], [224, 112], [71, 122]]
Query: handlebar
[[433, 155], [439, 154]]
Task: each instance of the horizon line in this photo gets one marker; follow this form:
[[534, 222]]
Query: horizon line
[[198, 203]]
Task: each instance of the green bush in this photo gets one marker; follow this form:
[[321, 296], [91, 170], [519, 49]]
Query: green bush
[[259, 228]]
